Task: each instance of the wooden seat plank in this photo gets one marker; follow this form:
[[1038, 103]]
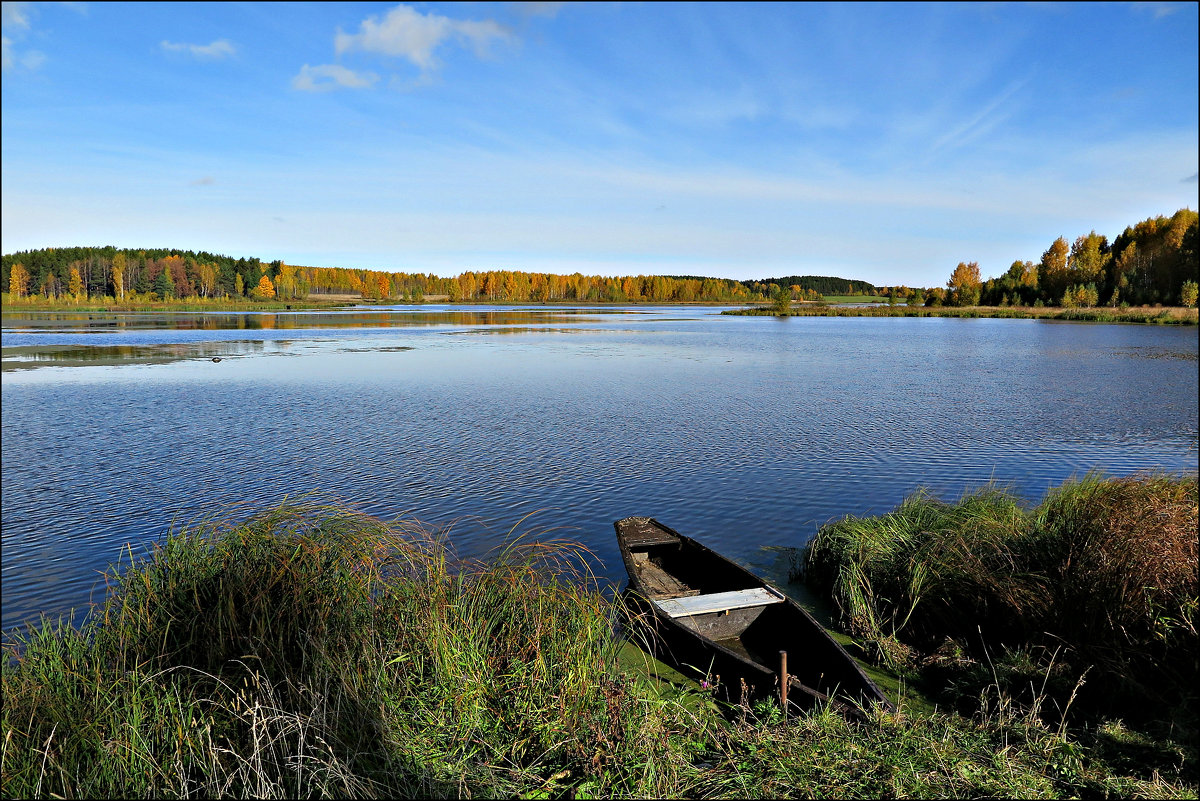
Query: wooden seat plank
[[718, 602], [645, 540]]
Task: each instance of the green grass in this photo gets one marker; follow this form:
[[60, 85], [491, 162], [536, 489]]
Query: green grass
[[311, 650]]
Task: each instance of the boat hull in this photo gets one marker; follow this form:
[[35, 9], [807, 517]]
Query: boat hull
[[735, 650]]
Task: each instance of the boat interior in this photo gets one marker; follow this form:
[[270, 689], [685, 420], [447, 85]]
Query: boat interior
[[703, 592]]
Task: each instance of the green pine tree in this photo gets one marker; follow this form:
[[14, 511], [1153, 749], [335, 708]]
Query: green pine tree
[[164, 286]]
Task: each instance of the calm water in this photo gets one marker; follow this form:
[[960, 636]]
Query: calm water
[[747, 432]]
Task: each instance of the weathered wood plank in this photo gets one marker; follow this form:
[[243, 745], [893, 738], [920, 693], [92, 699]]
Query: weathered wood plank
[[640, 532], [718, 602]]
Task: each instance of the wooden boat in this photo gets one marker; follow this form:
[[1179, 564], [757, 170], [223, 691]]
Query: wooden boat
[[717, 620]]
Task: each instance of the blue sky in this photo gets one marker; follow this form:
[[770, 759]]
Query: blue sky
[[884, 142]]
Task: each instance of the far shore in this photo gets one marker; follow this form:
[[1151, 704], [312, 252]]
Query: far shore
[[314, 302]]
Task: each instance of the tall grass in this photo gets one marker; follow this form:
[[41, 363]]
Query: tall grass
[[316, 650], [1099, 579], [312, 651]]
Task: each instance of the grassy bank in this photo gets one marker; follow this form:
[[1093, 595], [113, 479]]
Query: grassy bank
[[314, 651], [40, 304], [1143, 314]]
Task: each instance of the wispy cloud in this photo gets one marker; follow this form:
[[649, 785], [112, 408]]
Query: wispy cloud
[[327, 77], [205, 181], [11, 58], [406, 33], [979, 123], [220, 48], [1156, 10], [1191, 179], [15, 15], [15, 19]]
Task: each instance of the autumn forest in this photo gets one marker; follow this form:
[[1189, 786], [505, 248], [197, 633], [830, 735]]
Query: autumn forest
[[1152, 261]]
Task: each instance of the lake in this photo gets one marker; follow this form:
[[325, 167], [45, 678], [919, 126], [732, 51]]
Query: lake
[[747, 433]]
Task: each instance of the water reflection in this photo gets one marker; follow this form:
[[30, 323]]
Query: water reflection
[[28, 357], [31, 356]]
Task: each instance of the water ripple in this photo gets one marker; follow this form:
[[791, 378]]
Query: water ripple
[[745, 432]]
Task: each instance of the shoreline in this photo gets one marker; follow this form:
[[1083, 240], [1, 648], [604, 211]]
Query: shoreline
[[1176, 315], [353, 647], [1163, 315]]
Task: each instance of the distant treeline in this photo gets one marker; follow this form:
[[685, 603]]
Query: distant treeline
[[820, 284], [123, 274], [1154, 261]]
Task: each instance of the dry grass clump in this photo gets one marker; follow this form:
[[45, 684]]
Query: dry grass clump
[[1121, 557], [1101, 577]]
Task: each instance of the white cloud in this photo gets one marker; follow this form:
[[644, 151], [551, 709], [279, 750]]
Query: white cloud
[[406, 33], [221, 48], [326, 77]]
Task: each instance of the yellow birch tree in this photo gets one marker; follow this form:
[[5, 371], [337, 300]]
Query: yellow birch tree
[[119, 264], [18, 281], [265, 288], [965, 283], [75, 284]]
